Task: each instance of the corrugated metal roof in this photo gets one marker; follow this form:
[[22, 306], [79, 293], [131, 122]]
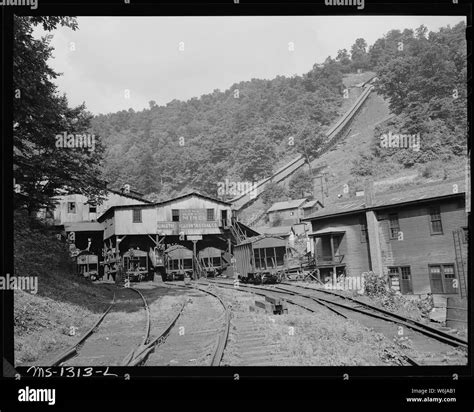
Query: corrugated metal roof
[[288, 204], [411, 194]]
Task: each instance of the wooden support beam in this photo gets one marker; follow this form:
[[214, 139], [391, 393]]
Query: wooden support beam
[[153, 240], [120, 239]]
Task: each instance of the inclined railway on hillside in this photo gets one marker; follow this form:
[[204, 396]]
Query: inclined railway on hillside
[[338, 129]]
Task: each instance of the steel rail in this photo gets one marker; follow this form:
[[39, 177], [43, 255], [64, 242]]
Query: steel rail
[[130, 355], [409, 360], [140, 355], [294, 303], [222, 341], [447, 337], [74, 349], [229, 286]]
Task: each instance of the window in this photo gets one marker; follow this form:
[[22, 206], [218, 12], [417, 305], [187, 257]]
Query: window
[[71, 207], [258, 259], [210, 214], [270, 257], [137, 215], [436, 227], [175, 215], [336, 242], [394, 225], [92, 209], [442, 278], [400, 279], [465, 238], [364, 237]]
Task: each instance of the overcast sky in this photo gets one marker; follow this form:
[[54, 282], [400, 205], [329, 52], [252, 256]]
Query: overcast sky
[[141, 54]]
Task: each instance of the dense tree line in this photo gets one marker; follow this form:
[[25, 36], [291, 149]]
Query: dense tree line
[[424, 78], [42, 167], [239, 134], [242, 133]]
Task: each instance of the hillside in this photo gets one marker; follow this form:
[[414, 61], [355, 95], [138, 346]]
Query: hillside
[[239, 134], [65, 305], [433, 109], [253, 128]]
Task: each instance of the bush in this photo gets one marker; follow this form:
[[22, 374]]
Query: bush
[[375, 285], [273, 193], [376, 288]]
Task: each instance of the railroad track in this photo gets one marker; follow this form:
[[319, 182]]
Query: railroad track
[[111, 336], [346, 302], [259, 346], [247, 342], [419, 344], [196, 336]]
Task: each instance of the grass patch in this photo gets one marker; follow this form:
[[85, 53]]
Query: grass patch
[[44, 326], [327, 341]]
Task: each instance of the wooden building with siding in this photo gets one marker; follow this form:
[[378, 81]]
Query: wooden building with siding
[[193, 220], [417, 238], [76, 217]]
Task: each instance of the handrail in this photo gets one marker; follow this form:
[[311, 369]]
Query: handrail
[[329, 258]]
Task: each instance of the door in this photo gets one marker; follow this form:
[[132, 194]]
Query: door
[[224, 217], [394, 279], [405, 280], [400, 279]]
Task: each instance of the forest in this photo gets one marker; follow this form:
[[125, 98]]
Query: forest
[[241, 134], [167, 150]]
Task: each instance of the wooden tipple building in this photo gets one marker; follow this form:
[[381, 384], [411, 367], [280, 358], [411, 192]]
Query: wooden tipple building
[[76, 217], [417, 238], [193, 220]]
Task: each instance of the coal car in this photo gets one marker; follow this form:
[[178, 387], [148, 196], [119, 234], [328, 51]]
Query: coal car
[[260, 259], [87, 265], [211, 261], [136, 265], [179, 263]]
